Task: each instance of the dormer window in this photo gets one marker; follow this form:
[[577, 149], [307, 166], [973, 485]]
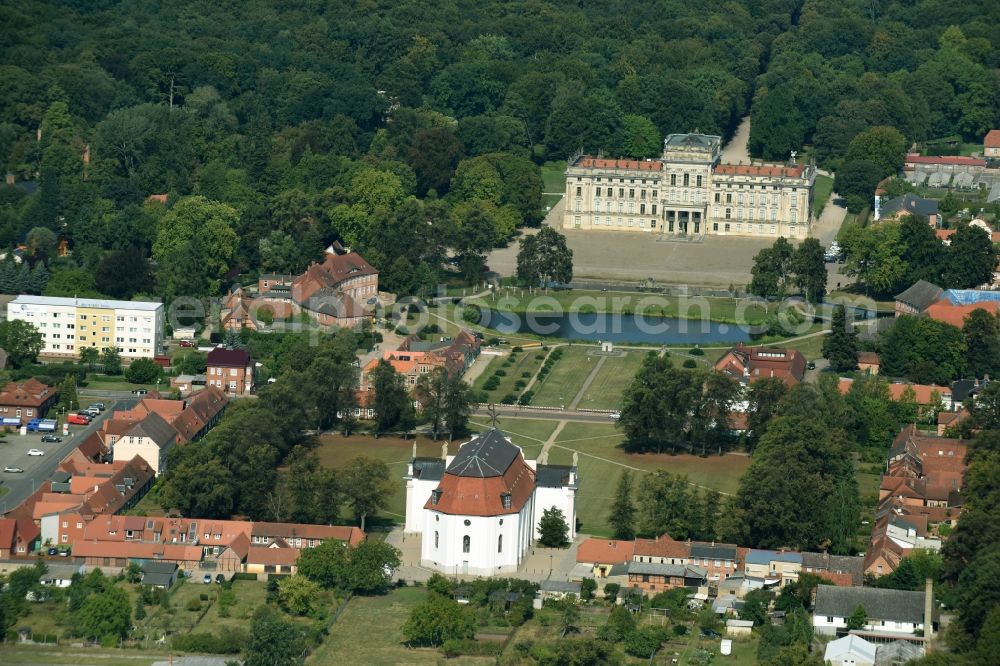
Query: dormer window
[[435, 497], [505, 498]]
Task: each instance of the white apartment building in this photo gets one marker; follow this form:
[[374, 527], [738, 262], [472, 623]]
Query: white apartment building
[[69, 324], [688, 191]]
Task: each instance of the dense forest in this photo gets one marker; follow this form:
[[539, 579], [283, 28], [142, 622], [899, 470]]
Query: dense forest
[[415, 132]]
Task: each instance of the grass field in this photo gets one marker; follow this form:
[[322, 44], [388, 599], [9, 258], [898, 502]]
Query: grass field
[[605, 392], [370, 632], [722, 309], [554, 177], [601, 462], [336, 451], [821, 192], [811, 348], [66, 656], [568, 374], [515, 367]]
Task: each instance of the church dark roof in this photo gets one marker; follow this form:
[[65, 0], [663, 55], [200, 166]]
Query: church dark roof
[[553, 476], [428, 469], [921, 295], [489, 454]]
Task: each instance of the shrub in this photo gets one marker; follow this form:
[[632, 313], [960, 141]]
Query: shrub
[[697, 351], [491, 383], [143, 371], [526, 398], [611, 591], [643, 642], [689, 363], [520, 384], [508, 399], [526, 375], [539, 357], [455, 647], [203, 596], [230, 641], [679, 629], [500, 373], [193, 605], [515, 350]]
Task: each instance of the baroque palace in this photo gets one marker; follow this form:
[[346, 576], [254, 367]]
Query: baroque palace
[[689, 192]]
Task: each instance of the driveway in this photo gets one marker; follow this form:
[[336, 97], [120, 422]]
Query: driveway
[[38, 469]]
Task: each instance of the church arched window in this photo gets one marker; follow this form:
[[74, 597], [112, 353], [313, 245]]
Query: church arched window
[[500, 544], [465, 543], [436, 535]]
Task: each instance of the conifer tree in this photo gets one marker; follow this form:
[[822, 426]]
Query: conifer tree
[[622, 516], [841, 346]]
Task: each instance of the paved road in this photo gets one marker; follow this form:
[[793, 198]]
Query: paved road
[[13, 451], [735, 152], [545, 414]]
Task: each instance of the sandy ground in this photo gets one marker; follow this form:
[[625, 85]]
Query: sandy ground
[[735, 152]]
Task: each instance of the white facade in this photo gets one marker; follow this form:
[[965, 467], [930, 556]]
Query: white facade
[[460, 542], [128, 447], [850, 651], [476, 545], [69, 324], [828, 625]]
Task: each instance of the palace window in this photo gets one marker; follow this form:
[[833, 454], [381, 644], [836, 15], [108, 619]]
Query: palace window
[[654, 209], [673, 179], [631, 194], [505, 498], [729, 197], [698, 180], [466, 543], [642, 209], [579, 191], [718, 197], [715, 226], [727, 226], [729, 213], [597, 192], [687, 180], [621, 192]]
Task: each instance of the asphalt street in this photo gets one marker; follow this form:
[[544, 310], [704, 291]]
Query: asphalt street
[[37, 469]]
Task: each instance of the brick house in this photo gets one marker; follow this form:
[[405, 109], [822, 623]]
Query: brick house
[[230, 370], [151, 439], [751, 364], [336, 291], [991, 145], [653, 578], [27, 399], [19, 537]]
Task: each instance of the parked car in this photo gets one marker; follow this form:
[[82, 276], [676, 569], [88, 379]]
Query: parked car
[[185, 343], [78, 419], [51, 439], [811, 365], [140, 391], [207, 579], [99, 406], [36, 452], [91, 412], [11, 469], [63, 553], [53, 551]]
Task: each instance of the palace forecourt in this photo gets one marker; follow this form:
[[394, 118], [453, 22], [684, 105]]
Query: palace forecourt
[[689, 192]]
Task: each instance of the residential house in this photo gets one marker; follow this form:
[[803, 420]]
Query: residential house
[[843, 570], [61, 575], [336, 292], [850, 650], [964, 391], [117, 555], [719, 559], [159, 574], [655, 578], [890, 612], [909, 204], [26, 400], [152, 438], [191, 418], [955, 314], [662, 550], [278, 558], [991, 145], [750, 364], [917, 298], [923, 394], [868, 362], [19, 537], [416, 358], [303, 536], [947, 420], [774, 566], [230, 370]]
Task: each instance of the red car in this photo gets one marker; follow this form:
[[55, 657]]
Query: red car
[[186, 343], [78, 419]]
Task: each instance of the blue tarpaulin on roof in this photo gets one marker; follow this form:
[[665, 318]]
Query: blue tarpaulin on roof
[[970, 296]]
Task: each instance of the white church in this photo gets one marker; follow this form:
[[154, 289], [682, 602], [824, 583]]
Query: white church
[[478, 511]]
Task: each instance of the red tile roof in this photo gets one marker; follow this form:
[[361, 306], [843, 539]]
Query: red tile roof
[[605, 551], [795, 171], [992, 139], [8, 526], [273, 556], [481, 496], [868, 358], [662, 546], [945, 311], [589, 162], [28, 393], [953, 160], [352, 535], [945, 234], [137, 550]]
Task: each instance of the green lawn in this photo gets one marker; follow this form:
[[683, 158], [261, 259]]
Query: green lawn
[[515, 367], [554, 177], [605, 392], [722, 309], [550, 200], [811, 348], [821, 193], [568, 374], [370, 632], [601, 463], [117, 383], [67, 656]]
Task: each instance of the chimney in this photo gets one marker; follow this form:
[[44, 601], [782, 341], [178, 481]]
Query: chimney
[[928, 614]]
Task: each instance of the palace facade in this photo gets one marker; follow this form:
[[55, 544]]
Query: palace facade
[[689, 191]]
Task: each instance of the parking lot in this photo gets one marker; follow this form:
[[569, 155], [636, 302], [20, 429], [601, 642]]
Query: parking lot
[[14, 453]]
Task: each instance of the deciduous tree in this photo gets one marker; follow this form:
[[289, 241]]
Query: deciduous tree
[[553, 532]]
